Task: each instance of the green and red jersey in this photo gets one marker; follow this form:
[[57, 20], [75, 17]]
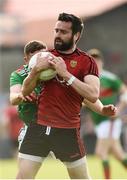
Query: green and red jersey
[[27, 110], [18, 76], [110, 86]]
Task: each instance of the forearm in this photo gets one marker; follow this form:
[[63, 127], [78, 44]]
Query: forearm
[[96, 107], [84, 89], [30, 82]]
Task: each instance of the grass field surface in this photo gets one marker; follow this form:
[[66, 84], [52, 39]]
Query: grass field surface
[[54, 169]]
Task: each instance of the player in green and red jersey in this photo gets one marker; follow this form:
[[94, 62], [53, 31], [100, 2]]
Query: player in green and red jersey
[[108, 130], [27, 106]]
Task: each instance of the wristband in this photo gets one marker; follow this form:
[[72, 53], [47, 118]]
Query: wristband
[[70, 81]]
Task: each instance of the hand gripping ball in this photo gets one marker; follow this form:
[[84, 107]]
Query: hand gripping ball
[[45, 74]]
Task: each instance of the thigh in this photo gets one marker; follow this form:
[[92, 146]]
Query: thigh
[[117, 149], [103, 146], [67, 144], [116, 130], [78, 169], [103, 130], [35, 141], [27, 169]]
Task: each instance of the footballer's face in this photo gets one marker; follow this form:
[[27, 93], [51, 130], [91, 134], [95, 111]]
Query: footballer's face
[[64, 39]]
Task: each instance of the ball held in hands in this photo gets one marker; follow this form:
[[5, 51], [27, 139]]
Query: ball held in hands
[[45, 74]]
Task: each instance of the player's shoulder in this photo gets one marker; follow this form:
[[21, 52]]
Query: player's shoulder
[[19, 69], [22, 70], [77, 53], [85, 56]]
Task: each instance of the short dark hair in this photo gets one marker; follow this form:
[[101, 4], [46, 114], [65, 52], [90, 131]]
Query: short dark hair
[[96, 53], [77, 24], [33, 46]]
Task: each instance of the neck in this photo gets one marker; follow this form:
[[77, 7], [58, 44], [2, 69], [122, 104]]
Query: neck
[[69, 51]]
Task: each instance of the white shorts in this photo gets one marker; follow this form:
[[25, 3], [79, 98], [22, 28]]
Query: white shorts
[[109, 129]]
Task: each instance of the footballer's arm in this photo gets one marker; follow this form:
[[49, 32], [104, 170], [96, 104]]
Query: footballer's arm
[[98, 107], [16, 96], [89, 89], [30, 82], [32, 79]]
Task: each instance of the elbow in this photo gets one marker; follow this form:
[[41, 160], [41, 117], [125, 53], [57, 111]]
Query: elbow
[[13, 102], [93, 99], [94, 96]]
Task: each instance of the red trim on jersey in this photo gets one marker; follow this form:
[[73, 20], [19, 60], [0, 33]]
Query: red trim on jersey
[[81, 145], [20, 68]]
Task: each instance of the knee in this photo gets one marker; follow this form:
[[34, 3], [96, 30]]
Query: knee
[[25, 175], [99, 153]]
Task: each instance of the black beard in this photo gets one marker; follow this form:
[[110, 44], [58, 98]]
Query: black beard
[[64, 46]]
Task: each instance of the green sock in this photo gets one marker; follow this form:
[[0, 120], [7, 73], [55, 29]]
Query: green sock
[[124, 162], [106, 168]]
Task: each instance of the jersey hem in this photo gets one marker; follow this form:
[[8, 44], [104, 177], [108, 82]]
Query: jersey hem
[[57, 126]]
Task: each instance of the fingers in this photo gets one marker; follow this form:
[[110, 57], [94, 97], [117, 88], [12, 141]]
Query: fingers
[[112, 107], [55, 60], [30, 98]]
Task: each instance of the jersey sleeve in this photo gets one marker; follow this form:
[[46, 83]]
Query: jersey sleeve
[[93, 68], [15, 79], [90, 67]]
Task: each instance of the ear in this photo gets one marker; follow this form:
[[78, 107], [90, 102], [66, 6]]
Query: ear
[[77, 37], [26, 59]]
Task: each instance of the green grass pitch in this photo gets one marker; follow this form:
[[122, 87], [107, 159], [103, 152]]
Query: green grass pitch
[[54, 169]]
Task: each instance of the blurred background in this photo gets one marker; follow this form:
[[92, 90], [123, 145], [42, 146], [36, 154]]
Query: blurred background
[[24, 20]]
